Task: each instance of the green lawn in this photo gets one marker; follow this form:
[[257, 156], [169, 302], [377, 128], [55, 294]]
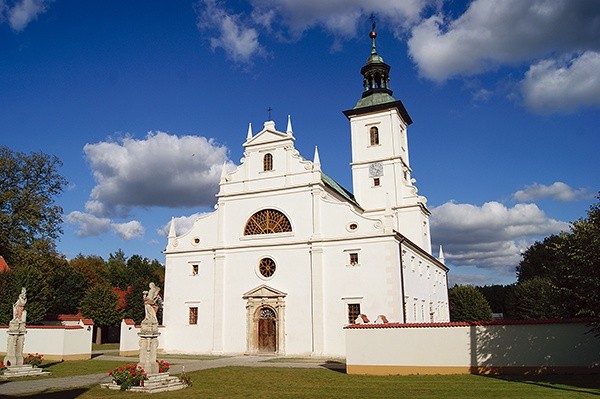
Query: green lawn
[[251, 382]]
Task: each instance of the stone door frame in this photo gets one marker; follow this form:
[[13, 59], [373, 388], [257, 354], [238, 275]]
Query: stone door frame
[[256, 299]]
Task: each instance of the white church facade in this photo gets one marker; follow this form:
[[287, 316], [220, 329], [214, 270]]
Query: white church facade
[[289, 257]]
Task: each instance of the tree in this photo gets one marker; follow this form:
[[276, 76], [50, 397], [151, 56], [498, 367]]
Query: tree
[[101, 304], [536, 299], [67, 287], [569, 263], [38, 292], [28, 187], [468, 304], [497, 297], [92, 267]]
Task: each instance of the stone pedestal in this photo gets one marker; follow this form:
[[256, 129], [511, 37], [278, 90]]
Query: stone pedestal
[[15, 343], [148, 349]]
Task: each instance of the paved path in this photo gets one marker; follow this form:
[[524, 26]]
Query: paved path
[[24, 386]]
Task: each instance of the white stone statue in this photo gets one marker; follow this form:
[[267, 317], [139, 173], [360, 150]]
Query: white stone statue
[[19, 312], [151, 304]]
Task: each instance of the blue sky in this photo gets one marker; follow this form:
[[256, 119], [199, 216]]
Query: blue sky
[[144, 101]]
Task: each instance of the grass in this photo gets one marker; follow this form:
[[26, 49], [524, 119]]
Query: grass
[[252, 382], [79, 367], [105, 347]]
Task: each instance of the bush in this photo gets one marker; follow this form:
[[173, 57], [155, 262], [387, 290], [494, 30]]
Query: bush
[[128, 376], [34, 360]]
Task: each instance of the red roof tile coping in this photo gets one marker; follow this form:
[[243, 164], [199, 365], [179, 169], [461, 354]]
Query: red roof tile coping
[[471, 323], [71, 317], [50, 327], [129, 322]]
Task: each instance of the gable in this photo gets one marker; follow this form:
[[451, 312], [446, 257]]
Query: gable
[[264, 291]]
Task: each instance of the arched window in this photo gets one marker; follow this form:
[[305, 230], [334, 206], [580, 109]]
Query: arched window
[[268, 162], [374, 135], [267, 221]]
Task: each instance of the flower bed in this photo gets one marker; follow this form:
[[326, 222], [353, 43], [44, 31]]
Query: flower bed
[[34, 360], [128, 376]]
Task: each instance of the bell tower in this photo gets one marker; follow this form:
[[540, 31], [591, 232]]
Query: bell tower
[[381, 173]]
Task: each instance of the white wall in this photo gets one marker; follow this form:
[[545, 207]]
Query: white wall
[[55, 342], [459, 348], [130, 341]]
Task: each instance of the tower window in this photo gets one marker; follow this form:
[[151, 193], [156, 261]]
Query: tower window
[[353, 312], [267, 162], [194, 270], [354, 258], [374, 135], [193, 316], [376, 182]]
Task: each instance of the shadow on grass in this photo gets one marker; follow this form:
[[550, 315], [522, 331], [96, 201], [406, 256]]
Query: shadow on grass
[[49, 364], [334, 365], [589, 384], [64, 394]]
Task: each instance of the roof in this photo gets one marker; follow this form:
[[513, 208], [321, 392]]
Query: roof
[[3, 265], [469, 323], [376, 106], [335, 186]]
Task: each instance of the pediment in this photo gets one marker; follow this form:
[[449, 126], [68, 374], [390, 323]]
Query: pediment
[[264, 291], [268, 135]]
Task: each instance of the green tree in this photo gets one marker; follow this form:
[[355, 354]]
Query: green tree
[[67, 287], [101, 304], [92, 267], [536, 299], [497, 297], [28, 213], [569, 263], [141, 272], [38, 292], [468, 304]]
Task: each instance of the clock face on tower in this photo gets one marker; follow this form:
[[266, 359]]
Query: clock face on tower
[[375, 169]]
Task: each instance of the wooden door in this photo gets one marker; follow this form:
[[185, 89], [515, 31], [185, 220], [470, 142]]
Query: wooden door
[[267, 335]]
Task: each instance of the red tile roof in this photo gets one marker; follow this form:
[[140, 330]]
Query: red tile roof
[[472, 323], [3, 265]]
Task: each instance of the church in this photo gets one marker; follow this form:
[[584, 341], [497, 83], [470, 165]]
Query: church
[[289, 257]]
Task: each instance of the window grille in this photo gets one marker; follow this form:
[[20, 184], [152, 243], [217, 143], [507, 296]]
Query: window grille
[[193, 315], [267, 162], [267, 221], [353, 312]]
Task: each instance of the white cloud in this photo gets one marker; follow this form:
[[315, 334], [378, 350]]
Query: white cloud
[[563, 85], [129, 230], [490, 236], [492, 33], [235, 36], [558, 191], [21, 13], [339, 17], [161, 170], [238, 34], [88, 225], [183, 224]]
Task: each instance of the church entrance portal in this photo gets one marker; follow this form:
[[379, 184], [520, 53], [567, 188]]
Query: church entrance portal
[[267, 328], [265, 322]]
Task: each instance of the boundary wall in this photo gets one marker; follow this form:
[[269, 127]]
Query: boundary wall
[[129, 344], [497, 347], [67, 338]]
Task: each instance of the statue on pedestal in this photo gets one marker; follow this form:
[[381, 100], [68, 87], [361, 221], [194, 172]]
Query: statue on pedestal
[[149, 330], [19, 312]]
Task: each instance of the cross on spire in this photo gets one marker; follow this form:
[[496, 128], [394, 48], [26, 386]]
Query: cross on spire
[[372, 18], [269, 110]]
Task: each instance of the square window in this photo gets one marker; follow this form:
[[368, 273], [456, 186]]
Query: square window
[[354, 258], [353, 312], [376, 182], [194, 270], [193, 315]]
